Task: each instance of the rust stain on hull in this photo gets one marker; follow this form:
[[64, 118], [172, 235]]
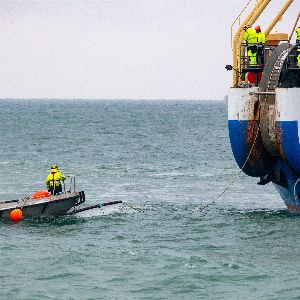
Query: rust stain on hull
[[258, 154], [260, 161]]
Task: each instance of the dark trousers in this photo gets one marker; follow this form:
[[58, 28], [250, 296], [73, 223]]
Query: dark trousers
[[260, 54], [54, 191], [252, 48]]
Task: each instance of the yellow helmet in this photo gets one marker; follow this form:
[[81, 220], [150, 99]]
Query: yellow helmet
[[54, 167]]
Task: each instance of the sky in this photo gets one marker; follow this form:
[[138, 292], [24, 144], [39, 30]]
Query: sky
[[121, 49]]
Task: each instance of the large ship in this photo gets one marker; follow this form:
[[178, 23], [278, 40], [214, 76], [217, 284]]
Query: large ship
[[264, 104]]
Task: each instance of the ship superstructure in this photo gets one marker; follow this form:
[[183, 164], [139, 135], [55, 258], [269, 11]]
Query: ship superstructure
[[264, 106]]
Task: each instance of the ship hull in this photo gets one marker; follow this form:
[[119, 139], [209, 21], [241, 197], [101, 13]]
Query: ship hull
[[244, 125], [290, 193]]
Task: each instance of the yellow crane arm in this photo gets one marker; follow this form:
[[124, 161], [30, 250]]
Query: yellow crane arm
[[251, 18], [278, 16]]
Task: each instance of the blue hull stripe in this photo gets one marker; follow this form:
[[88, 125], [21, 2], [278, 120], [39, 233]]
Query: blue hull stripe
[[260, 162], [290, 143]]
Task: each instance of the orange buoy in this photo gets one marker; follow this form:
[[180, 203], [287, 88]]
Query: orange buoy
[[16, 215], [40, 194]]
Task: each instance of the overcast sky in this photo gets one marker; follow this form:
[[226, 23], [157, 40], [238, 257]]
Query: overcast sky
[[120, 49]]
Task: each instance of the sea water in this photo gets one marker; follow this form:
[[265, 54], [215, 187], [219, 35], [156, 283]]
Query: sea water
[[163, 158]]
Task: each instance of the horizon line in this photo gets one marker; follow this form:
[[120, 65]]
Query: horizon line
[[114, 99]]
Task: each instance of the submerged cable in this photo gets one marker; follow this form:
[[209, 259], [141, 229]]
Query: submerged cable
[[132, 207]]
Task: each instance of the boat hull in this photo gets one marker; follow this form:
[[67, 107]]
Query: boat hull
[[51, 206]]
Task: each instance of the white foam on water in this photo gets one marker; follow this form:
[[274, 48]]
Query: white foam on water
[[107, 210]]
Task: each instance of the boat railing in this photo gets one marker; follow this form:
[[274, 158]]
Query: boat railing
[[261, 58], [237, 19], [69, 184], [262, 54], [292, 61]]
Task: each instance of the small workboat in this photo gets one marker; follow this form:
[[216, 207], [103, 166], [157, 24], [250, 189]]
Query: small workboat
[[43, 203]]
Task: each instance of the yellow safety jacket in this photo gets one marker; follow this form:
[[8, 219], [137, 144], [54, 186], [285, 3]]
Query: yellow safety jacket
[[261, 38], [54, 178], [250, 37], [298, 34]]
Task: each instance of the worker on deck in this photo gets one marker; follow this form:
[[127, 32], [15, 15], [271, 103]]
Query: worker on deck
[[250, 37], [53, 181], [261, 40], [298, 45]]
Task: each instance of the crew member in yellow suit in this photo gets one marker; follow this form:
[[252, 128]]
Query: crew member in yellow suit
[[261, 40], [53, 181], [250, 37], [298, 45]]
